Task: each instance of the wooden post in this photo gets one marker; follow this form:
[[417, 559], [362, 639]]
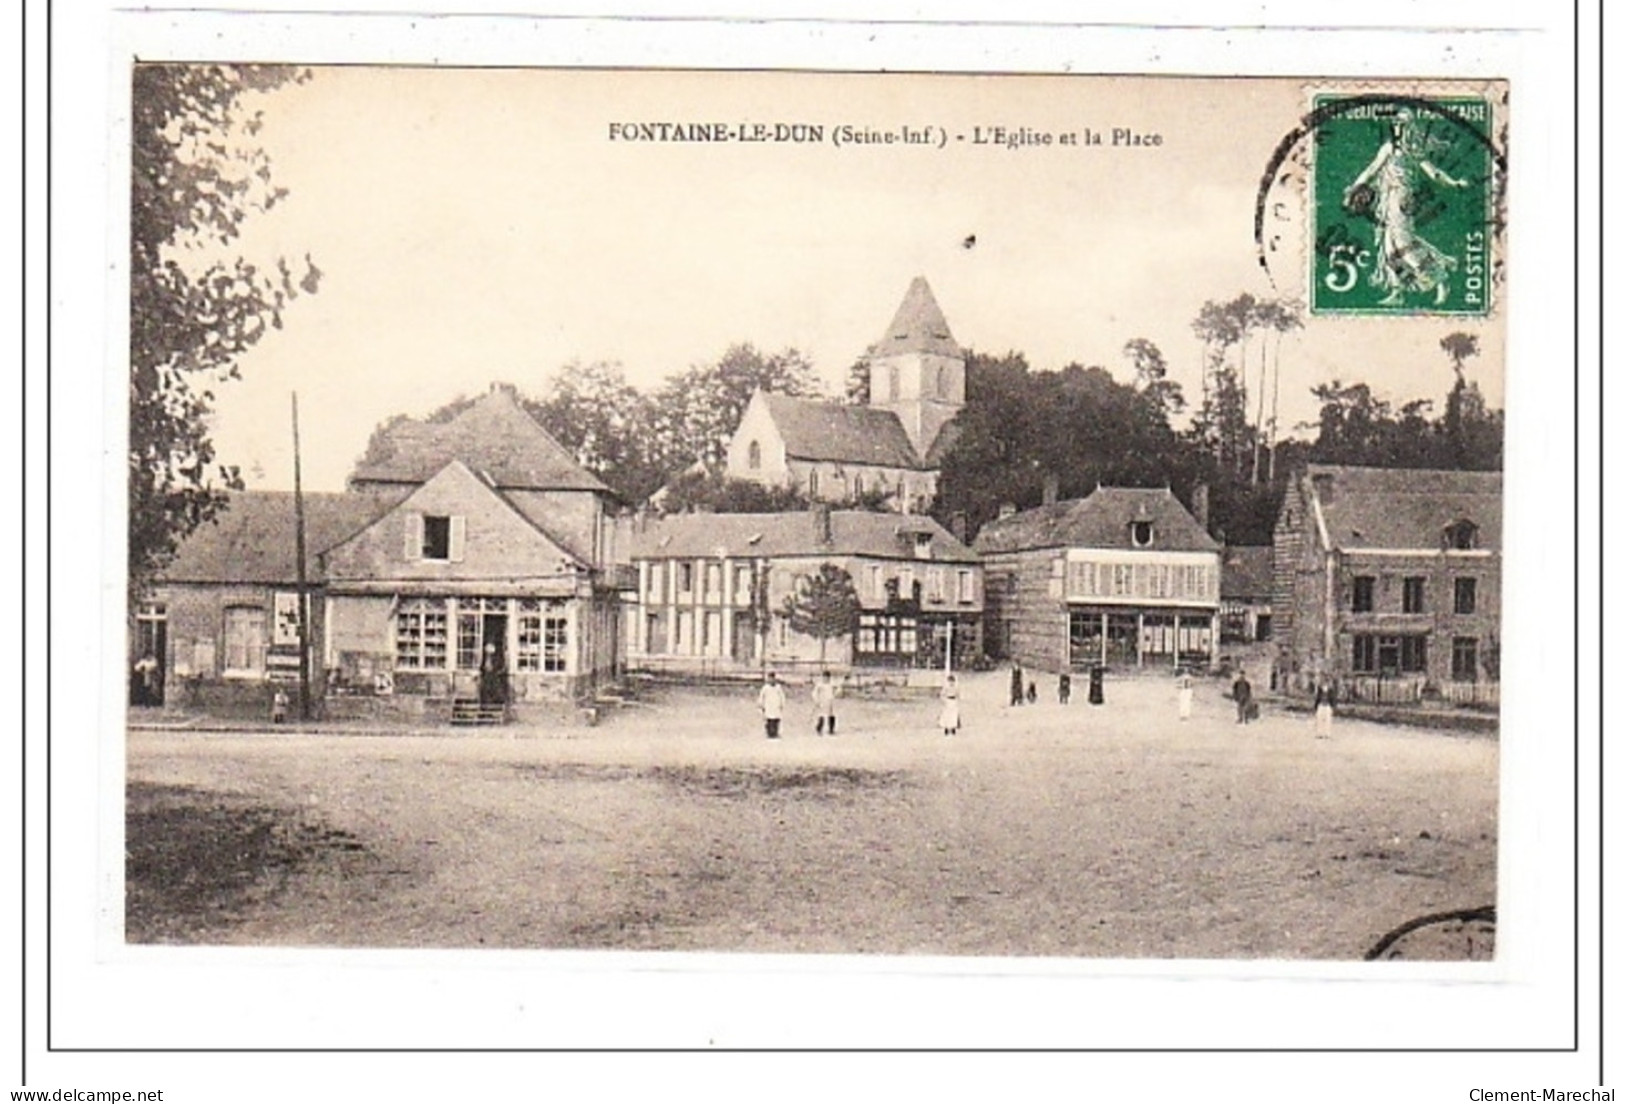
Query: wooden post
[[299, 568]]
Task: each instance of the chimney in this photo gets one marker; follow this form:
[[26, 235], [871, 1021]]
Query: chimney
[[1006, 509], [1052, 489], [959, 526], [823, 533], [1199, 504]]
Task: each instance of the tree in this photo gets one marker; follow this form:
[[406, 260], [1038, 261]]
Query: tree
[[857, 380], [697, 411], [710, 491], [605, 422], [1151, 377], [823, 606], [195, 178]]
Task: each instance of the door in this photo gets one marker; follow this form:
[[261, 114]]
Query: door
[[494, 659], [151, 656]]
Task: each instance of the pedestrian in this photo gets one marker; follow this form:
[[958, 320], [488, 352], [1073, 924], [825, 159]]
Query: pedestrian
[[1097, 684], [1186, 694], [279, 706], [823, 695], [1242, 691], [1325, 703], [948, 719], [771, 702], [1032, 693], [1017, 685], [1063, 691]]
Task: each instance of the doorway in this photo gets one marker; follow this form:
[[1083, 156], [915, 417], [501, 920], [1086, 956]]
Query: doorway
[[494, 659], [151, 655]]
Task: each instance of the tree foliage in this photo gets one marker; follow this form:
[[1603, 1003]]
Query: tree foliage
[[196, 177], [701, 491], [696, 411], [605, 422], [823, 605]]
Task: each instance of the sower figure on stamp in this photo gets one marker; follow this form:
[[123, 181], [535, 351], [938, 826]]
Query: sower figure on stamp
[[1389, 187], [823, 695], [770, 700]]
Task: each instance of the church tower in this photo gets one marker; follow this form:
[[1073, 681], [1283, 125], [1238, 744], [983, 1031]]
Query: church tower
[[917, 370]]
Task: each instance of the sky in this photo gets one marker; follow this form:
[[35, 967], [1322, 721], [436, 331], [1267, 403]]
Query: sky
[[482, 225]]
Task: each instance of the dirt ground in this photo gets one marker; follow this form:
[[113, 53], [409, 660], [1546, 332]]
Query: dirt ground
[[1072, 830]]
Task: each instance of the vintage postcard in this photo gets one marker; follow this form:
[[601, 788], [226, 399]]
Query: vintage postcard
[[589, 524], [815, 513]]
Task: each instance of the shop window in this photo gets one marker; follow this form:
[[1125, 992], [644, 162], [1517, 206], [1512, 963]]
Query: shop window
[[420, 635], [244, 640], [1467, 595], [1414, 597], [1365, 593]]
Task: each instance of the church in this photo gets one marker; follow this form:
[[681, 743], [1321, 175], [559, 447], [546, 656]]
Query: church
[[887, 449]]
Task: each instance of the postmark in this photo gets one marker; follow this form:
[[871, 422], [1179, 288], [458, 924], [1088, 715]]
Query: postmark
[[1401, 198]]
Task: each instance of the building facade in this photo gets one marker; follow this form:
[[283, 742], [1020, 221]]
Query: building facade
[[1125, 578], [1246, 588], [712, 591], [889, 448], [1390, 575]]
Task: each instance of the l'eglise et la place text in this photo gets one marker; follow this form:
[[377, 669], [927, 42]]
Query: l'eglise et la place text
[[1513, 1096]]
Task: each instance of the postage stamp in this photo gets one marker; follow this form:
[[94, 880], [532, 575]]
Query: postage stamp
[[1402, 201]]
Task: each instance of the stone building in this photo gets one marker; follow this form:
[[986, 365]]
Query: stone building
[[1390, 575], [891, 446]]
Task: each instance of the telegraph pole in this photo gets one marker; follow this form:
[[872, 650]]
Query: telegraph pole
[[299, 562]]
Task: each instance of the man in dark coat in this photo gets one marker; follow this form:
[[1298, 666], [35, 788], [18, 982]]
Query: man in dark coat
[[1017, 685], [1242, 691]]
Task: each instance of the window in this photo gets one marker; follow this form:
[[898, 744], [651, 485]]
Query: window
[[245, 640], [1365, 654], [420, 634], [1140, 534], [753, 455], [891, 382], [436, 538], [742, 587], [934, 583], [967, 586], [1414, 590], [876, 586], [713, 582], [685, 578], [1467, 595], [468, 640], [544, 636], [857, 485], [905, 585], [657, 572], [1122, 580], [1413, 654], [555, 642], [1462, 536], [1365, 593], [942, 383], [812, 483], [1464, 659]]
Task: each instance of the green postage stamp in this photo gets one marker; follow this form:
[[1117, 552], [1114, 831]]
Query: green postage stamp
[[1403, 204]]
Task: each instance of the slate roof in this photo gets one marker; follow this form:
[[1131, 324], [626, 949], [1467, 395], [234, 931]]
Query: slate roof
[[1247, 571], [918, 326], [494, 437], [840, 433], [1405, 507], [1099, 521], [253, 539], [853, 533]]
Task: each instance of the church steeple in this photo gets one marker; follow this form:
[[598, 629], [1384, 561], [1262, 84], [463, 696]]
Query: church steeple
[[917, 369]]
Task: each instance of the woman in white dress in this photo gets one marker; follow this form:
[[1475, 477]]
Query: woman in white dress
[[1186, 694], [949, 717]]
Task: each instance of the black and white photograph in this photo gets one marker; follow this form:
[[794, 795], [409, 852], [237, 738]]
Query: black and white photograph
[[603, 546]]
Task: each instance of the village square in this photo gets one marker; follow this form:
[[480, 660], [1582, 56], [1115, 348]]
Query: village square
[[966, 657]]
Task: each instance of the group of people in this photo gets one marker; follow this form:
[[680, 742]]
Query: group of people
[[772, 700]]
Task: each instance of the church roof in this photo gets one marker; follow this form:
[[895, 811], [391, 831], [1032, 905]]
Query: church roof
[[918, 326], [841, 434], [494, 436]]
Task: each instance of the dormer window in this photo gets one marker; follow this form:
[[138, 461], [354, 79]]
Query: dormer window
[[1140, 534], [922, 546], [1462, 536]]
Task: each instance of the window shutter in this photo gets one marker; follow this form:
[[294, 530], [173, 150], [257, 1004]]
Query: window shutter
[[413, 548], [459, 529]]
